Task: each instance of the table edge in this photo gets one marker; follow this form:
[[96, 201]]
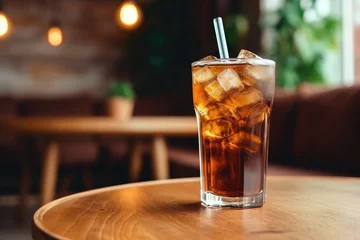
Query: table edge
[[37, 215], [46, 207], [61, 126]]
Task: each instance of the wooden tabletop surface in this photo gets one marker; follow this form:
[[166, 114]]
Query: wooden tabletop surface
[[296, 208], [173, 126]]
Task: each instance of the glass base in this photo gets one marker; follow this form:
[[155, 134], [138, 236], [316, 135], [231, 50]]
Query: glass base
[[211, 200]]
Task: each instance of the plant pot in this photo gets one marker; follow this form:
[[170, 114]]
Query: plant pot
[[120, 108]]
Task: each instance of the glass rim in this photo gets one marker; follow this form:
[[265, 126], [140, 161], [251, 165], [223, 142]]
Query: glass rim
[[233, 61]]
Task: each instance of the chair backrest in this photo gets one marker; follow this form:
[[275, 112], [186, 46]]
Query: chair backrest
[[8, 108]]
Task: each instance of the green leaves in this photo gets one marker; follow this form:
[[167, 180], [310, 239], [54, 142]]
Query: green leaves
[[293, 13], [299, 46], [236, 26], [304, 43], [122, 89], [287, 77], [327, 31]]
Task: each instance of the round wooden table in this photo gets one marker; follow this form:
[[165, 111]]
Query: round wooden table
[[156, 128], [296, 208]]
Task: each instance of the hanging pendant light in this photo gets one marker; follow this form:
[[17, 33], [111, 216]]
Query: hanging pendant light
[[54, 34], [129, 15], [4, 23]]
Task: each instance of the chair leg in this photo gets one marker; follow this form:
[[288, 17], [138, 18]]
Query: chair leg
[[68, 179], [135, 161], [160, 158], [25, 183], [65, 184], [87, 178], [49, 173]]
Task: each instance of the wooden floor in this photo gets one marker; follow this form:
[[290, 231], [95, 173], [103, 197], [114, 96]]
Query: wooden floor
[[9, 229]]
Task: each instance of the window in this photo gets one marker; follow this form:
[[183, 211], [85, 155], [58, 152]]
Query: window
[[339, 64]]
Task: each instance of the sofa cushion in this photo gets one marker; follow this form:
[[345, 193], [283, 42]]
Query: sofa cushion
[[281, 128], [327, 130]]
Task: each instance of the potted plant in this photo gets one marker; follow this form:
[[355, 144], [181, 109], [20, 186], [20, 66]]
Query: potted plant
[[121, 100]]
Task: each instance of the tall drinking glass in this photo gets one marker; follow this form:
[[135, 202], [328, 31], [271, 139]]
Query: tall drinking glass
[[233, 100]]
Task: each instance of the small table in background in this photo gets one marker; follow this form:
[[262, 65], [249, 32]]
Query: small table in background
[[53, 127], [296, 208]]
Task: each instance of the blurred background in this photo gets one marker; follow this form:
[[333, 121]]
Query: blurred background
[[70, 58], [62, 48]]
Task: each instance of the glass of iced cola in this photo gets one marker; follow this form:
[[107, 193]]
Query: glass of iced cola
[[233, 99]]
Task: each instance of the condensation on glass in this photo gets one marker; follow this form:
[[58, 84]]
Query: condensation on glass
[[233, 100]]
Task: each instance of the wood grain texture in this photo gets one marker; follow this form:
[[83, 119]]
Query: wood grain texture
[[137, 126], [296, 208]]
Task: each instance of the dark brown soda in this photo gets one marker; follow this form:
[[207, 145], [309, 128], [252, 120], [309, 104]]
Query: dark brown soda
[[235, 171]]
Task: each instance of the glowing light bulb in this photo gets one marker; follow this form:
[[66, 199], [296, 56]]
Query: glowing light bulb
[[4, 24], [128, 15], [55, 36]]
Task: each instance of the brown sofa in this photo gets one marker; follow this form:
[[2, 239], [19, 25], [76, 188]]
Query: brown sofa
[[326, 131]]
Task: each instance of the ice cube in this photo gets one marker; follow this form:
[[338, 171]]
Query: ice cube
[[219, 128], [208, 58], [203, 75], [226, 81], [247, 54], [243, 98], [248, 80], [245, 78], [216, 69], [261, 73], [257, 114], [264, 76], [219, 121], [246, 141], [242, 114], [218, 110], [229, 79], [215, 91], [201, 98], [251, 115]]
